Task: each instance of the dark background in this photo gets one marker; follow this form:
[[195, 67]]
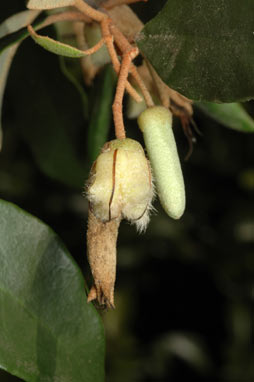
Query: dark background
[[185, 289]]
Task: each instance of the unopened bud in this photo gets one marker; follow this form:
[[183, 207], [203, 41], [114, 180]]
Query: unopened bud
[[156, 126], [120, 185]]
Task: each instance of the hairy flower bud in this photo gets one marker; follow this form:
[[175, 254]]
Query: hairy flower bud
[[120, 184]]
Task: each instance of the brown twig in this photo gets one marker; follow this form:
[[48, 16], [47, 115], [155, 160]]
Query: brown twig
[[110, 31], [63, 16], [89, 11], [95, 48], [147, 96], [88, 69], [115, 61], [161, 88], [124, 45], [118, 101]]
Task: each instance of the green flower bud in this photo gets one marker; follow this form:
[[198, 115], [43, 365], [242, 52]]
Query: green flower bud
[[156, 125], [120, 184]]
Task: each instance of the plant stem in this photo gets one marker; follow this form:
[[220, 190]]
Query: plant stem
[[115, 61], [125, 46], [118, 102], [89, 11]]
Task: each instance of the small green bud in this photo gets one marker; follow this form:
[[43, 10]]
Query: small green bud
[[156, 126], [120, 184]]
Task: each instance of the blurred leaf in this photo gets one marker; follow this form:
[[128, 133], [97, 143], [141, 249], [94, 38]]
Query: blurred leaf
[[187, 347], [206, 49], [48, 113], [71, 69], [56, 47], [69, 75], [17, 21], [12, 38], [11, 24], [101, 114], [48, 331], [20, 31], [49, 4], [231, 115], [54, 151]]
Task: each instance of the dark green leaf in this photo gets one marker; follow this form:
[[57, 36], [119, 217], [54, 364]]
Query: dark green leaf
[[10, 25], [49, 113], [71, 69], [66, 70], [232, 115], [101, 115], [48, 331], [206, 48]]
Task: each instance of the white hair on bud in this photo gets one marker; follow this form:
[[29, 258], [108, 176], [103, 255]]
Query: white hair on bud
[[142, 223]]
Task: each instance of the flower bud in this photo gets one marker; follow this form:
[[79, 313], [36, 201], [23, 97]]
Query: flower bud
[[156, 126], [120, 184]]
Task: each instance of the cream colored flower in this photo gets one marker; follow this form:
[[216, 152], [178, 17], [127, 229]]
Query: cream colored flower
[[120, 184]]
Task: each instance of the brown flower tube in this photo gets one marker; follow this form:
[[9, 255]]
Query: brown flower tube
[[101, 246]]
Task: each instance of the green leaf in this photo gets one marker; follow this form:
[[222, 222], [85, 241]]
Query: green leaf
[[48, 331], [231, 115], [71, 69], [56, 47], [49, 4], [19, 32], [48, 114], [17, 21], [206, 48], [101, 114], [70, 76], [10, 25]]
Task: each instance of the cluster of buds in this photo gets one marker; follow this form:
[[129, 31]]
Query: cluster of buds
[[120, 187]]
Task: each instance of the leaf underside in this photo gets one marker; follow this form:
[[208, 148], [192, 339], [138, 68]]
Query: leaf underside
[[48, 331], [206, 48], [56, 47], [232, 115], [48, 4]]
